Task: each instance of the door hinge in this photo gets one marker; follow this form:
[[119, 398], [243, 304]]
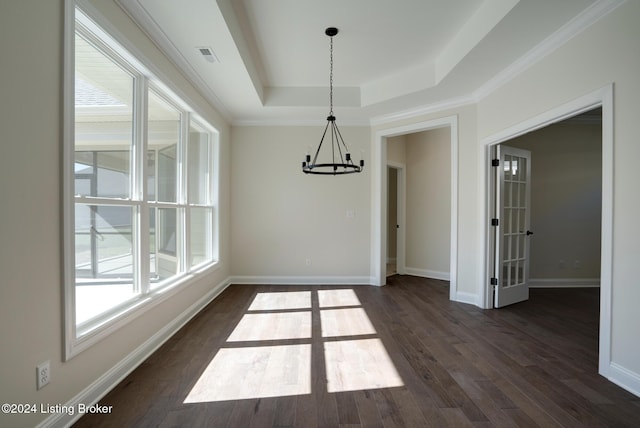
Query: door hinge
[[495, 162], [495, 222], [494, 281]]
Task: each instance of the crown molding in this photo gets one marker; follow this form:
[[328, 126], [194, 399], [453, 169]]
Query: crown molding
[[579, 23], [422, 110], [575, 26], [138, 14]]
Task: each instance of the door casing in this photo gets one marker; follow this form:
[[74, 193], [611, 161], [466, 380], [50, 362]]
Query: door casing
[[602, 97], [379, 200]]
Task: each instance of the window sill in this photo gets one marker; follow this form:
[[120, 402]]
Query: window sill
[[97, 329]]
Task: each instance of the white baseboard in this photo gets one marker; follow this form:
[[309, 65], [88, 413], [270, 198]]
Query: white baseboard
[[302, 280], [444, 276], [564, 282], [624, 378], [462, 297], [105, 383]]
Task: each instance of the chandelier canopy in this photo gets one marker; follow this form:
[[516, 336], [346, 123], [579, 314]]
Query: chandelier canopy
[[339, 162]]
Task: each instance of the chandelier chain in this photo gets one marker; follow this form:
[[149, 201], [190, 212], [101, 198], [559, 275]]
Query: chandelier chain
[[331, 77]]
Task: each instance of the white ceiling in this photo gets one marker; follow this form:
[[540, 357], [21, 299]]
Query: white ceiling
[[390, 56]]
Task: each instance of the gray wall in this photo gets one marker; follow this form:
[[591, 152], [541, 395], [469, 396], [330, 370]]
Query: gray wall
[[566, 203]]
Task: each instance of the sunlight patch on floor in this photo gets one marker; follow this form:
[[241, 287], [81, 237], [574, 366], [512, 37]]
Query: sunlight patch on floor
[[283, 320], [272, 326], [345, 322], [281, 301], [354, 365], [334, 298], [255, 372]]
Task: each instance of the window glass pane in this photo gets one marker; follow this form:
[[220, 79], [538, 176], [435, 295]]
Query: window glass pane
[[104, 174], [103, 124], [199, 165], [201, 235], [167, 165], [164, 133], [164, 261], [104, 258], [151, 175]]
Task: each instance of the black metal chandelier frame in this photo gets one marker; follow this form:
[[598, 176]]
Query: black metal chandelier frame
[[340, 155]]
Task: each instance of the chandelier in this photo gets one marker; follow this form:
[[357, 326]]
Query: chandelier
[[341, 162]]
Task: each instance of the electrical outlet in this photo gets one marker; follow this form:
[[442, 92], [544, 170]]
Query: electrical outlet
[[308, 261], [43, 374]]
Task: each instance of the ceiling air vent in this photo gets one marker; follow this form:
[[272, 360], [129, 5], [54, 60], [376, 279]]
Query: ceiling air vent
[[207, 53]]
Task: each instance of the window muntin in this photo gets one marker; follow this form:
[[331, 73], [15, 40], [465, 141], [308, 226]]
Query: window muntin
[[130, 233]]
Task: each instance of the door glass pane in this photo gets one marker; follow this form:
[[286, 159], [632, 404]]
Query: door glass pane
[[514, 168], [520, 278], [521, 242], [522, 193], [505, 247], [103, 124], [163, 136], [506, 274], [199, 165], [201, 235]]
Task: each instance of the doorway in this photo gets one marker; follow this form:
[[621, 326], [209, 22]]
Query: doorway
[[602, 98], [396, 224], [563, 208], [380, 193]]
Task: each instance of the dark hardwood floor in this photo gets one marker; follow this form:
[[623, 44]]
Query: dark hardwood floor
[[402, 355]]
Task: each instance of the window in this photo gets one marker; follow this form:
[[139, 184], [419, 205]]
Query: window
[[140, 187]]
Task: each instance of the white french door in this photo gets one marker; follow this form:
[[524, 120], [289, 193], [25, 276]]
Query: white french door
[[513, 195]]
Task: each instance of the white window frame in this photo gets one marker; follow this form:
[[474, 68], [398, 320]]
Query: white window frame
[[79, 338]]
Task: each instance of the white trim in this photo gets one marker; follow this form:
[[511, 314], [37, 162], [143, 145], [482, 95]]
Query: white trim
[[112, 377], [379, 196], [601, 97], [299, 122], [426, 273], [464, 297], [79, 337], [123, 315], [141, 60], [68, 182], [564, 282], [624, 378], [159, 38], [575, 26], [301, 280], [424, 110]]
